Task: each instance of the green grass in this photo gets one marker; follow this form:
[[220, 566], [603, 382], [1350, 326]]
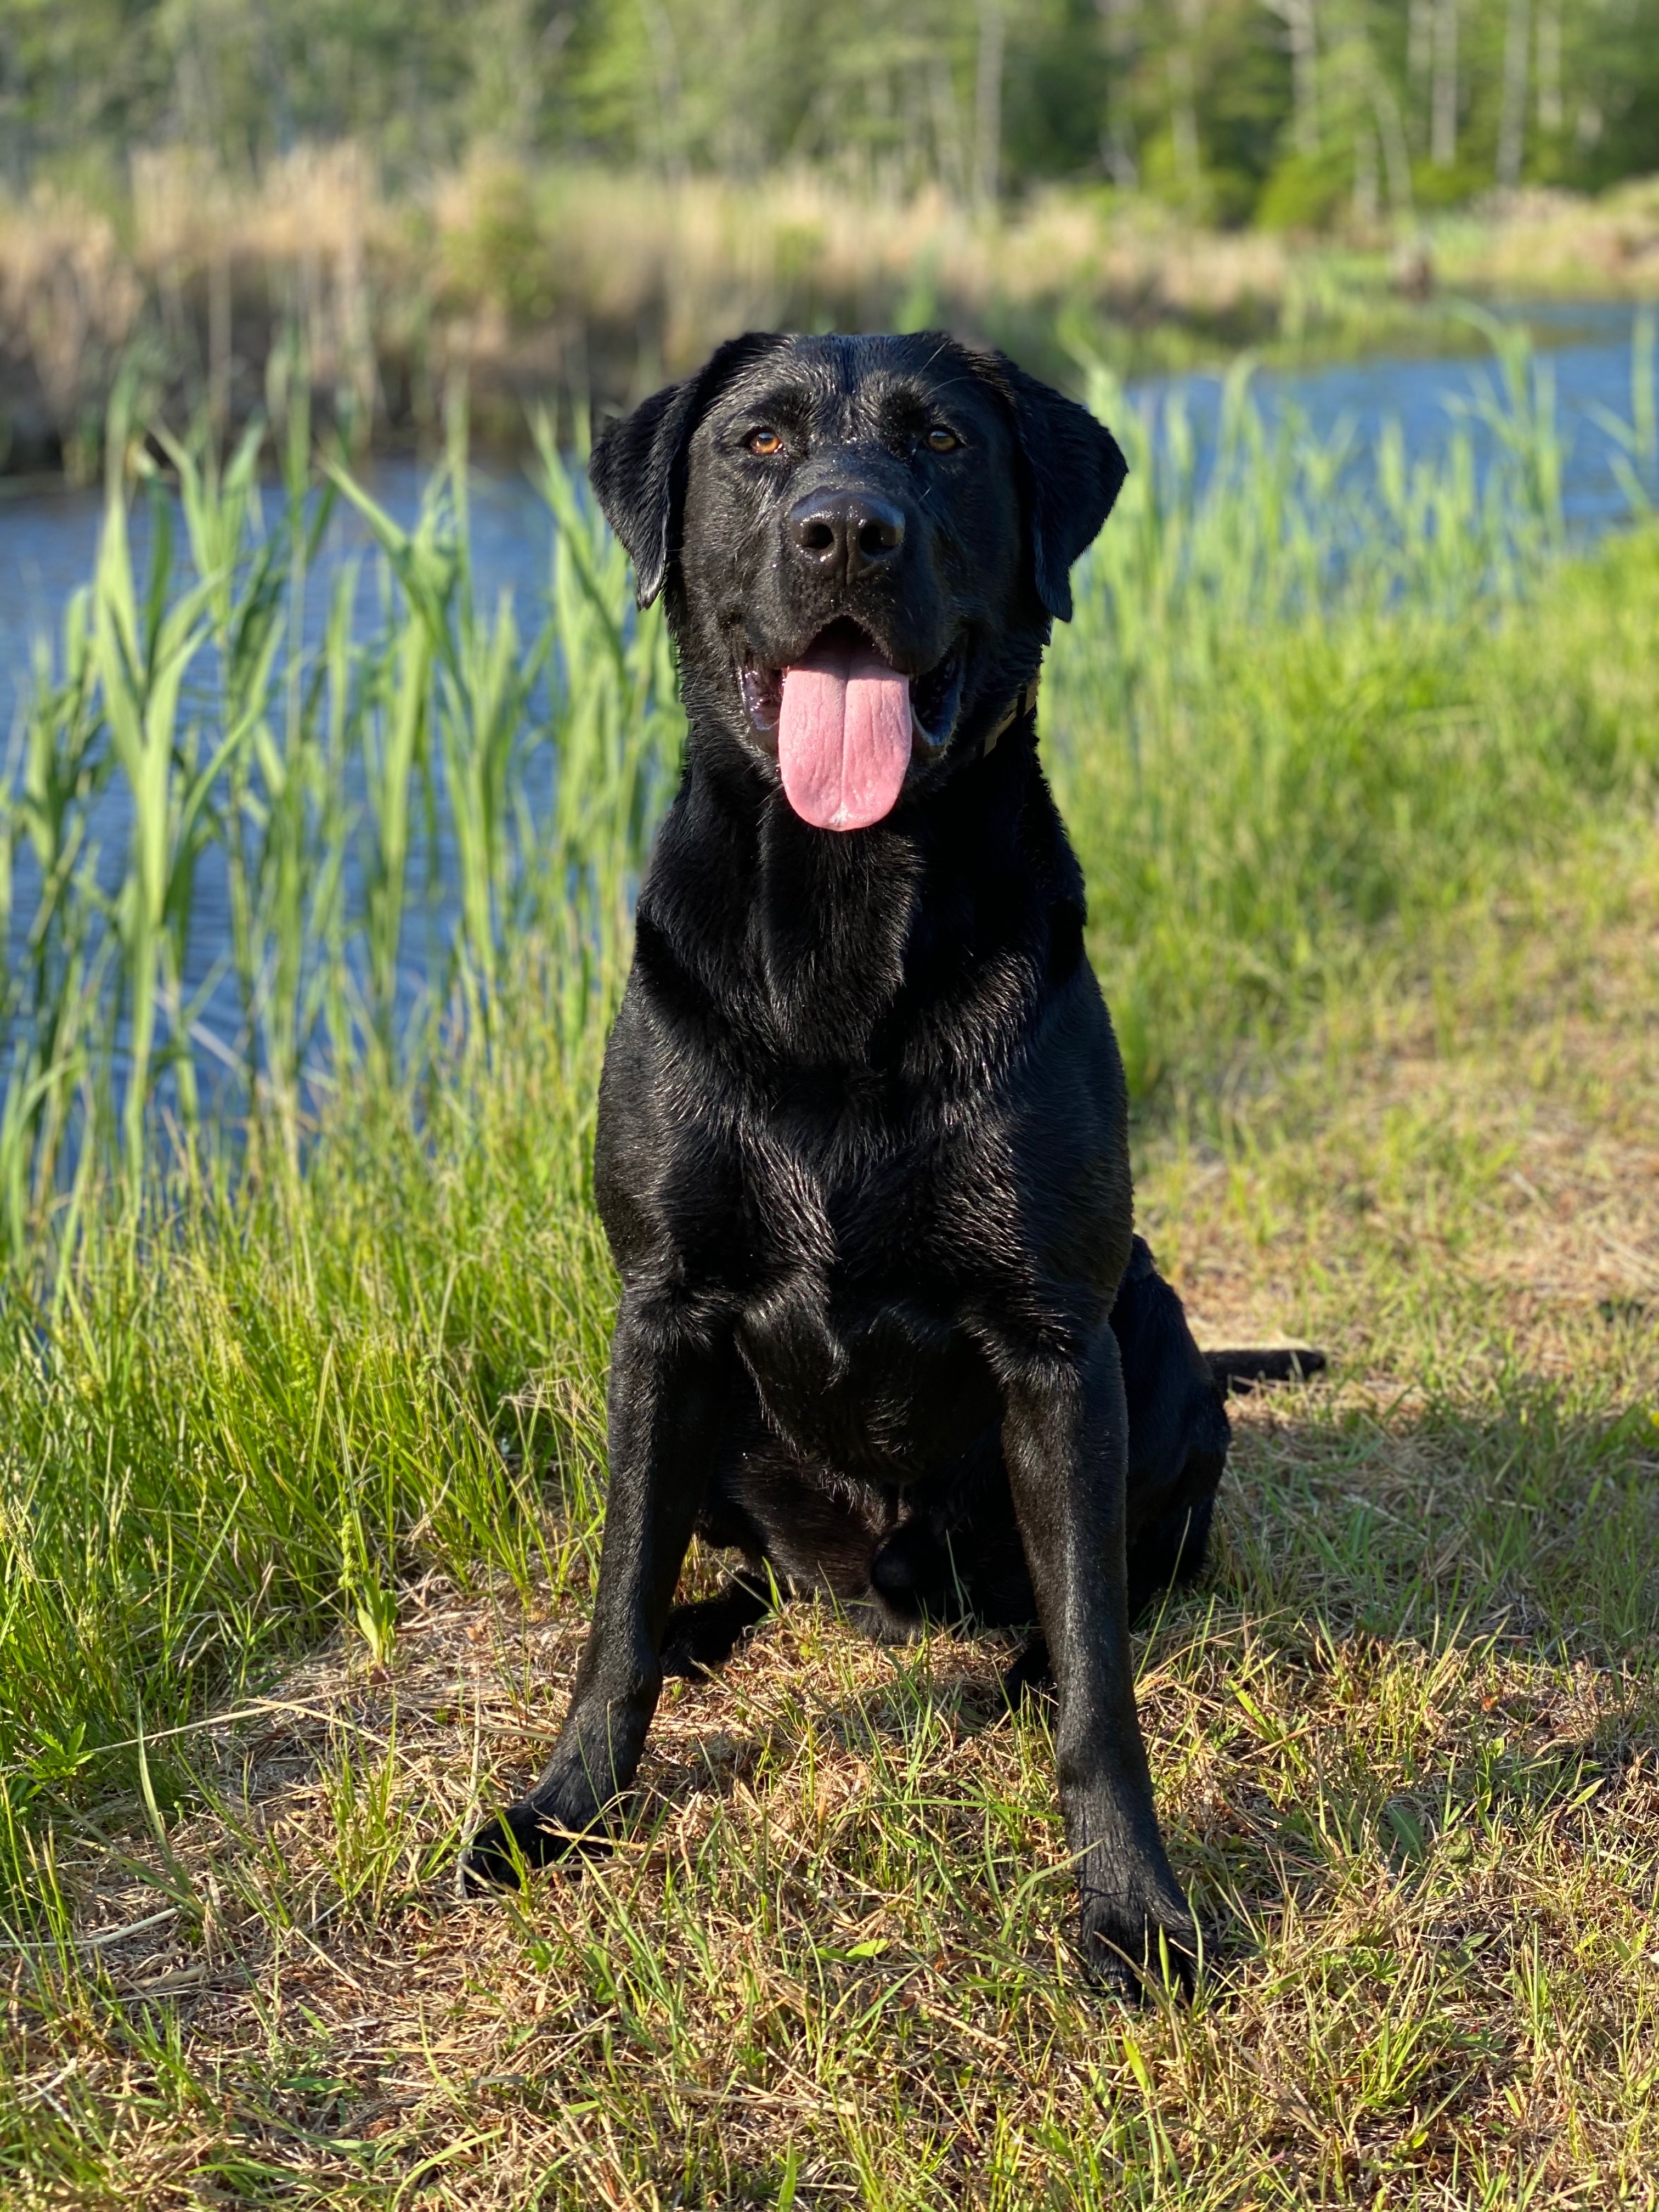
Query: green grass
[[302, 1459]]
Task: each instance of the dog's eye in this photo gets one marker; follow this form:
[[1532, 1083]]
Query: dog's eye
[[941, 440], [766, 443]]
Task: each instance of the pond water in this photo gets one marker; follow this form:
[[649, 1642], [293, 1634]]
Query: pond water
[[48, 535], [48, 539]]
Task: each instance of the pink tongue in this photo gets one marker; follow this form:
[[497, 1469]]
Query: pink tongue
[[844, 737]]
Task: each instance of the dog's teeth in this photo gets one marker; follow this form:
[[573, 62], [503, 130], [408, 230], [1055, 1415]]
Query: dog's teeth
[[761, 698]]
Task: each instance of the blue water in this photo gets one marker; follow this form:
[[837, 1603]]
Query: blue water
[[49, 540], [48, 544], [1585, 347], [48, 537]]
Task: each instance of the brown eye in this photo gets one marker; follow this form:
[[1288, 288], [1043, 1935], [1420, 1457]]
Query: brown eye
[[941, 440], [765, 443]]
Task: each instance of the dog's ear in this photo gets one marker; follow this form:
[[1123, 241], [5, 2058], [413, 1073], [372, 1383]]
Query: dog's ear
[[1074, 469], [638, 464]]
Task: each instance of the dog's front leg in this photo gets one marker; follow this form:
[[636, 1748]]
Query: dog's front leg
[[668, 1399], [1065, 1438]]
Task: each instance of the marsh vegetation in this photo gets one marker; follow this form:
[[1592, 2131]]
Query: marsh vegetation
[[561, 203], [305, 1317]]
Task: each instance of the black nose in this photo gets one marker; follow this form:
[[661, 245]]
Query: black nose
[[845, 531]]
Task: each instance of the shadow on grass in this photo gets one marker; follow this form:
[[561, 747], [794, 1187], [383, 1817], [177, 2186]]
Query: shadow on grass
[[1426, 1632], [1528, 1514]]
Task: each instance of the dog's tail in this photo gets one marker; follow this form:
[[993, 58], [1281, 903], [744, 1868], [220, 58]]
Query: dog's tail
[[1247, 1370]]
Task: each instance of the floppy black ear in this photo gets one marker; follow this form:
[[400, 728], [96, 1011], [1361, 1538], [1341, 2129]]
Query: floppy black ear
[[637, 467], [1074, 469]]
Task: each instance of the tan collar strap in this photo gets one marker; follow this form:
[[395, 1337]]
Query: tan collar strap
[[1023, 703]]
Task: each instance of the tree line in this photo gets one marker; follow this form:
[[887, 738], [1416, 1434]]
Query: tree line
[[1286, 112]]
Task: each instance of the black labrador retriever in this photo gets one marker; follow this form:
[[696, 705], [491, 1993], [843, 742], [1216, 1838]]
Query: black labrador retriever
[[863, 1151]]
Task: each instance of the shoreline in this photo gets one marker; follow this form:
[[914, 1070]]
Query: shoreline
[[572, 289]]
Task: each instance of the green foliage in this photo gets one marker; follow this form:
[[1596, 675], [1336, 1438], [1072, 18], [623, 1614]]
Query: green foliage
[[1200, 100], [196, 707], [1307, 715], [1283, 651], [1307, 191], [1361, 768]]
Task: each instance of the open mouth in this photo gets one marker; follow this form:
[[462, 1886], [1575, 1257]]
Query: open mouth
[[846, 723]]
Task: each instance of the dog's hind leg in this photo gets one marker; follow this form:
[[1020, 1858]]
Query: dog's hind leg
[[1033, 1671], [699, 1637], [1169, 1552], [1066, 1441], [1178, 1433]]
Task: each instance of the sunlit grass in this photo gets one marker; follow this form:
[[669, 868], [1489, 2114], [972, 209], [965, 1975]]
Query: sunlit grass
[[302, 1445]]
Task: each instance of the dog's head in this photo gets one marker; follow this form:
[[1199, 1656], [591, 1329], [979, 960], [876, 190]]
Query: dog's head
[[864, 542]]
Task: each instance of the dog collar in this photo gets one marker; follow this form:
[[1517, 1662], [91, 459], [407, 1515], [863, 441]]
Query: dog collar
[[1023, 703]]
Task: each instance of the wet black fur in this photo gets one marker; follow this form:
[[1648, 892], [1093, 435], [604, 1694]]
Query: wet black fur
[[862, 1153]]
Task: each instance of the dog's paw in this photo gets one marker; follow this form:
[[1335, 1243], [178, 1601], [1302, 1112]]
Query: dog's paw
[[520, 1839], [1130, 1946], [697, 1639], [700, 1638], [1031, 1675]]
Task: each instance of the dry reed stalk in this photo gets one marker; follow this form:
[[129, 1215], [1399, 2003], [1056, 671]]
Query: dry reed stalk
[[525, 280], [1551, 241], [69, 299]]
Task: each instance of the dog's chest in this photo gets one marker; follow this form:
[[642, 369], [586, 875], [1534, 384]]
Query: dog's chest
[[863, 1193], [864, 1259]]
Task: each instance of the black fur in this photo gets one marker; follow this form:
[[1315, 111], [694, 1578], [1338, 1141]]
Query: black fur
[[862, 1153]]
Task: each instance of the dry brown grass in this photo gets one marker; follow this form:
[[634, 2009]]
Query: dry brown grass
[[1503, 1128], [581, 280], [1537, 241]]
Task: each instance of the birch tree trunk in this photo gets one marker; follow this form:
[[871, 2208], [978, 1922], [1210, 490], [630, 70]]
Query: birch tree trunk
[[1419, 40], [1301, 33], [1443, 132], [1550, 109], [1118, 134], [1512, 121], [665, 83], [951, 151], [1183, 94], [988, 104], [1365, 202], [1391, 133], [1183, 116]]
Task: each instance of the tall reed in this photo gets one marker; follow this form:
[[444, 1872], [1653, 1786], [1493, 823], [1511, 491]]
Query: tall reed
[[396, 764], [389, 787], [1240, 716]]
